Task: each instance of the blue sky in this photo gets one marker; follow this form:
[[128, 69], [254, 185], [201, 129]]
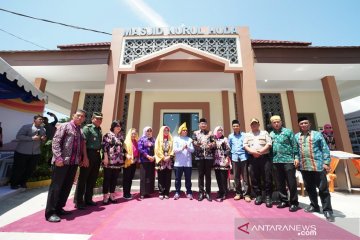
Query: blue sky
[[322, 22]]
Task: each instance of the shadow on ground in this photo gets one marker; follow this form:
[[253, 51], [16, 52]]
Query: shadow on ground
[[20, 197]]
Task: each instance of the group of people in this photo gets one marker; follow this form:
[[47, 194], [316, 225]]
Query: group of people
[[252, 157]]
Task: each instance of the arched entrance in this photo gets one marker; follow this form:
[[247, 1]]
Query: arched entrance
[[184, 74]]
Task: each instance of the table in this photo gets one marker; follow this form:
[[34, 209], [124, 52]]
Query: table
[[336, 157]]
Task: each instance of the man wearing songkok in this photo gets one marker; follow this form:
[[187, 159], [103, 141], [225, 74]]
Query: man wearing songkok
[[283, 148], [313, 158], [240, 162], [204, 145]]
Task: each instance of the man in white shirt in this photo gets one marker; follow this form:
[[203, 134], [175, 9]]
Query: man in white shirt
[[257, 143]]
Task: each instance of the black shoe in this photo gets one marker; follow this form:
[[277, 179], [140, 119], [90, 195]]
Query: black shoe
[[63, 212], [80, 206], [268, 202], [208, 197], [282, 205], [23, 185], [91, 203], [329, 216], [311, 209], [293, 208], [223, 197], [128, 196], [14, 187], [258, 200], [201, 197], [54, 218], [112, 200]]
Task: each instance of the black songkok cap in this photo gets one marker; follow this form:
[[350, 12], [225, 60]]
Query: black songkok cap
[[235, 122], [202, 120], [300, 119]]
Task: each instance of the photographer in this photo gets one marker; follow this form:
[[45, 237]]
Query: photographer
[[50, 127], [27, 152]]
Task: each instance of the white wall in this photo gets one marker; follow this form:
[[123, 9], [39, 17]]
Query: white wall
[[12, 121], [313, 102]]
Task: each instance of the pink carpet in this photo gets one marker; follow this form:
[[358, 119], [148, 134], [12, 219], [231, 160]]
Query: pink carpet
[[152, 218]]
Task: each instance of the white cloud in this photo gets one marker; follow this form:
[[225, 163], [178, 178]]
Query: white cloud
[[144, 11], [351, 105]]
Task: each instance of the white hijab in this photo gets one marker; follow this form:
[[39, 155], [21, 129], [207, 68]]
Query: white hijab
[[145, 130]]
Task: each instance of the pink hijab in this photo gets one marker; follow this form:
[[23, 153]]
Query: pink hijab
[[328, 129], [216, 134]]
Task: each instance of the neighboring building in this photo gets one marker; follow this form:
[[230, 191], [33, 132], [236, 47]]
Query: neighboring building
[[353, 125], [156, 76]]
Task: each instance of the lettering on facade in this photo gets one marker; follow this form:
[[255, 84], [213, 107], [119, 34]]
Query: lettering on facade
[[175, 31]]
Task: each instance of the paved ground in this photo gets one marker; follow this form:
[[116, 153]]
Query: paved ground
[[17, 204]]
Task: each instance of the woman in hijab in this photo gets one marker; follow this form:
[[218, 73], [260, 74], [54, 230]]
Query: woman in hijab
[[164, 155], [132, 158], [113, 146], [328, 134], [222, 162], [147, 163]]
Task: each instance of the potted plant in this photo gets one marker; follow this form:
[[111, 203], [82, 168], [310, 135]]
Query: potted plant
[[42, 174]]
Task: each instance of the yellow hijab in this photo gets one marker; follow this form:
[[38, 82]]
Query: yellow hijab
[[182, 127], [129, 146], [159, 152]]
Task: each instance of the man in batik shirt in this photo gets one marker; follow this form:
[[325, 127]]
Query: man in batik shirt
[[204, 145], [283, 148], [68, 153], [313, 158]]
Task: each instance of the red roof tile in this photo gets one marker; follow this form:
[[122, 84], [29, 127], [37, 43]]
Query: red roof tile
[[258, 42], [255, 42], [86, 45]]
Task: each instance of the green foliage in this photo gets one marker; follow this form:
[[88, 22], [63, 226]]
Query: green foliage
[[99, 182], [46, 152], [42, 172], [100, 179], [63, 120]]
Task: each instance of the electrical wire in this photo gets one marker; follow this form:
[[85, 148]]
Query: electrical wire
[[23, 39], [59, 23]]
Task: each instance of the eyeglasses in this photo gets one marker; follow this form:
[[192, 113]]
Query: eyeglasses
[[328, 127]]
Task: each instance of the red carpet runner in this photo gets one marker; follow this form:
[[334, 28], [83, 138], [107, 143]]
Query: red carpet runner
[[152, 218]]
